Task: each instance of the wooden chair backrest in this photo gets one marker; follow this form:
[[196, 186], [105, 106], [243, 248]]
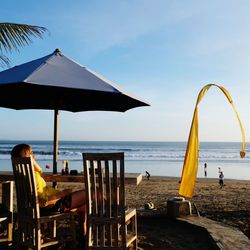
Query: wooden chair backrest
[[7, 203], [29, 221], [7, 194], [26, 192], [105, 192]]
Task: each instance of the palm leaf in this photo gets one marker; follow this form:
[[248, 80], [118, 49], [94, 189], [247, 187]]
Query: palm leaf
[[4, 61], [14, 36]]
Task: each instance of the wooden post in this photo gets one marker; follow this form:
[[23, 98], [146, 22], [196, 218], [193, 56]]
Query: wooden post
[[55, 153]]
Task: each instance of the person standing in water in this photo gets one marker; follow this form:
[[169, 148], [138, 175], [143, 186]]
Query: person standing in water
[[205, 169]]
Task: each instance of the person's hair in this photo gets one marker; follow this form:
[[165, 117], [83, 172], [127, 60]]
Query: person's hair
[[21, 150]]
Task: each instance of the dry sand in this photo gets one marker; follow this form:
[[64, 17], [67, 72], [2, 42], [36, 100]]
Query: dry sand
[[230, 205]]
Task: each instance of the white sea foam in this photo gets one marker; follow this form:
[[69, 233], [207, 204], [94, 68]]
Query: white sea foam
[[161, 158]]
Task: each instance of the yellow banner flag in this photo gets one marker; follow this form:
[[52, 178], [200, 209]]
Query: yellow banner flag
[[190, 165]]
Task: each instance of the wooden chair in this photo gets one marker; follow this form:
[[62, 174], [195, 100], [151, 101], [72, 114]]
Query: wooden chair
[[30, 223], [110, 224], [6, 210]]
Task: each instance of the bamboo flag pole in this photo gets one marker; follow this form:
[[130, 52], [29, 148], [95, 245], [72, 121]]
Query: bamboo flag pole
[[190, 166]]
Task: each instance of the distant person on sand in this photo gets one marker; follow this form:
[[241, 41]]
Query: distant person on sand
[[205, 169], [147, 175], [221, 179], [219, 169]]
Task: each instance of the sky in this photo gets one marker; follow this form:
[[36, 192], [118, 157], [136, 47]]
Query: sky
[[162, 51]]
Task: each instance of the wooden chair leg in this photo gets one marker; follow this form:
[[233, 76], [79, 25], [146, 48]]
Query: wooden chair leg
[[10, 232], [135, 245], [73, 230], [53, 228]]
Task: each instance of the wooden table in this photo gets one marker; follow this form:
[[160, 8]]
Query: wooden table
[[130, 178]]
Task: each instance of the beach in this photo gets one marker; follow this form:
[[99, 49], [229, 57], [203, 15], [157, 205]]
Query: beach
[[156, 230], [229, 205]]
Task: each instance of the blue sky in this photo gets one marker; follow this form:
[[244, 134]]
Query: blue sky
[[161, 51]]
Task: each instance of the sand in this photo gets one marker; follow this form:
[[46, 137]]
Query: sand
[[230, 205]]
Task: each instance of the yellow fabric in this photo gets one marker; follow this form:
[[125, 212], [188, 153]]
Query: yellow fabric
[[190, 165], [43, 190]]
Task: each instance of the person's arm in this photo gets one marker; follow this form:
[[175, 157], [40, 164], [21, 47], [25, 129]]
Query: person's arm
[[59, 195], [52, 199]]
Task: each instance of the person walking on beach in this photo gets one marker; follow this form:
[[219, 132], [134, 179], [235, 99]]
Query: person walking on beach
[[147, 175], [50, 199], [221, 179], [205, 169]]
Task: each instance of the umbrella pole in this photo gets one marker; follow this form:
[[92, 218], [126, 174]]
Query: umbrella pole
[[55, 152]]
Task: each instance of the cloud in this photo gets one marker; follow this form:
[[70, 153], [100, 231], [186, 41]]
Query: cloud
[[102, 26]]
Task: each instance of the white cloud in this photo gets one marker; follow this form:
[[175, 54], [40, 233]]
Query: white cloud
[[121, 22]]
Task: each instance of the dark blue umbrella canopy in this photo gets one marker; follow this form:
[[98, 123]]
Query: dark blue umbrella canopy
[[55, 82], [58, 83]]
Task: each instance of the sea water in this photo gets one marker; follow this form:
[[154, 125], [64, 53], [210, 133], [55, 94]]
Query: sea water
[[158, 158]]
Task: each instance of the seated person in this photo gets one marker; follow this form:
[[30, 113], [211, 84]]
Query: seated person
[[49, 198]]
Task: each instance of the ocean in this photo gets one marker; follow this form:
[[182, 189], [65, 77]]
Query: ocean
[[158, 158]]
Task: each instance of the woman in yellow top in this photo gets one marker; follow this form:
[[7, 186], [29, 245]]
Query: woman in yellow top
[[49, 198]]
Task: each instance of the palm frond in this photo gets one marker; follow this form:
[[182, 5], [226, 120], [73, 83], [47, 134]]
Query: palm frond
[[4, 61], [14, 36]]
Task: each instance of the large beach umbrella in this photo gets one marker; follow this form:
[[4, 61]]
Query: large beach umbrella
[[55, 82]]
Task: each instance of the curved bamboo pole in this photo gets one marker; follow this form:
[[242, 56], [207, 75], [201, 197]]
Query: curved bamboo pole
[[190, 166]]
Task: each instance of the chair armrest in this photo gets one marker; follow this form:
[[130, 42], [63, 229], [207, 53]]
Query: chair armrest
[[48, 218], [129, 213]]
